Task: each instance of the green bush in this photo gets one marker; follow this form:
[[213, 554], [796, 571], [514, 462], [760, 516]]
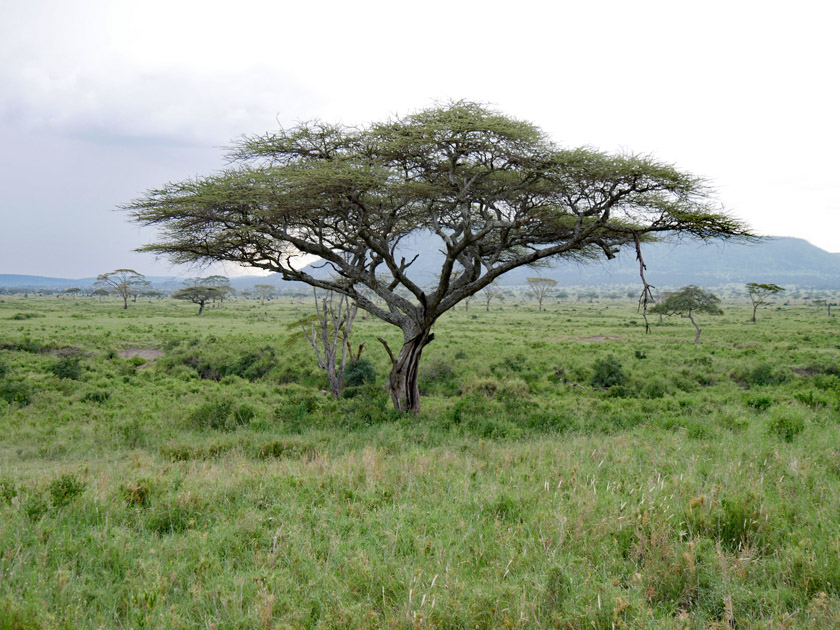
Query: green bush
[[786, 423], [359, 372], [761, 375], [34, 506], [64, 489], [67, 367], [760, 402], [14, 392], [8, 491], [608, 372], [222, 414]]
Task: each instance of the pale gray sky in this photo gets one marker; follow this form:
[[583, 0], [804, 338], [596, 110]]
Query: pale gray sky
[[104, 99]]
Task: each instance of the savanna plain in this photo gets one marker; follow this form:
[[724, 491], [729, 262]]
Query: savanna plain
[[567, 470]]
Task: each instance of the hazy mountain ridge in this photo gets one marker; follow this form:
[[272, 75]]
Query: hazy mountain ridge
[[780, 260]]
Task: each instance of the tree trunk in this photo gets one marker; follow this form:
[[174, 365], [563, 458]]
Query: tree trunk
[[402, 382], [696, 327], [755, 308], [200, 308]]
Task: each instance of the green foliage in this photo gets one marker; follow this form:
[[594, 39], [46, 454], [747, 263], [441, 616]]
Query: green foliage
[[672, 504], [689, 299], [222, 414], [8, 490], [607, 372], [15, 392], [359, 372], [786, 423], [761, 375], [68, 367], [65, 489]]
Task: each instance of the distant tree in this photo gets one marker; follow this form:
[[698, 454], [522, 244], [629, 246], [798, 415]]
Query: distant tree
[[824, 303], [152, 293], [540, 287], [686, 302], [760, 293], [100, 292], [588, 295], [331, 336], [490, 293], [74, 291], [124, 282], [198, 295], [562, 295], [265, 291]]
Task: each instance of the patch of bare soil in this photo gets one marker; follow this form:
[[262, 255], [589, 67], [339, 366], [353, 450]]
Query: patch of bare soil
[[143, 353], [600, 338]]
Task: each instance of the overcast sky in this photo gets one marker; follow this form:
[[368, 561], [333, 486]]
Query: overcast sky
[[102, 100]]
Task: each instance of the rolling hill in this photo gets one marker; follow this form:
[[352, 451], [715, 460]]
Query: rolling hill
[[780, 260]]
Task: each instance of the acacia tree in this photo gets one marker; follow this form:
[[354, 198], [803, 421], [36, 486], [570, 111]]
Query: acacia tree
[[200, 295], [687, 301], [220, 282], [490, 293], [827, 303], [540, 288], [265, 291], [760, 293], [496, 192], [125, 282]]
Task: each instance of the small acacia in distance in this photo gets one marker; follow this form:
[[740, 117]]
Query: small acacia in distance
[[265, 291], [495, 192], [540, 288], [125, 282], [687, 301], [760, 293], [200, 295]]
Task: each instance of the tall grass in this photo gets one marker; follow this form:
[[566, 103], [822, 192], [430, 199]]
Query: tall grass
[[566, 471]]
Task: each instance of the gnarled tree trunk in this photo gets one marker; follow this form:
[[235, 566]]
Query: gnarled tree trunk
[[696, 327], [402, 381]]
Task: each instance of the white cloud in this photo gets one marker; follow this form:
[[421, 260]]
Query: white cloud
[[111, 97]]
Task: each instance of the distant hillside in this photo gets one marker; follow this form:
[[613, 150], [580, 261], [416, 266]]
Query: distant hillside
[[780, 260], [36, 283]]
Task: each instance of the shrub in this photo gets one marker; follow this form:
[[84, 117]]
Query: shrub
[[254, 365], [8, 491], [67, 367], [97, 397], [786, 423], [359, 372], [760, 402], [64, 489], [608, 372], [760, 375], [222, 414], [137, 494], [34, 506], [14, 392]]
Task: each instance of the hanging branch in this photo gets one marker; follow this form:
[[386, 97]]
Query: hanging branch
[[647, 289]]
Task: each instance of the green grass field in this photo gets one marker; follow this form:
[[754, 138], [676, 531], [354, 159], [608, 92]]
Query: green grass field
[[206, 481]]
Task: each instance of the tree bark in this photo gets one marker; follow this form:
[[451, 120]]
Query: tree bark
[[403, 379], [696, 327], [755, 308]]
